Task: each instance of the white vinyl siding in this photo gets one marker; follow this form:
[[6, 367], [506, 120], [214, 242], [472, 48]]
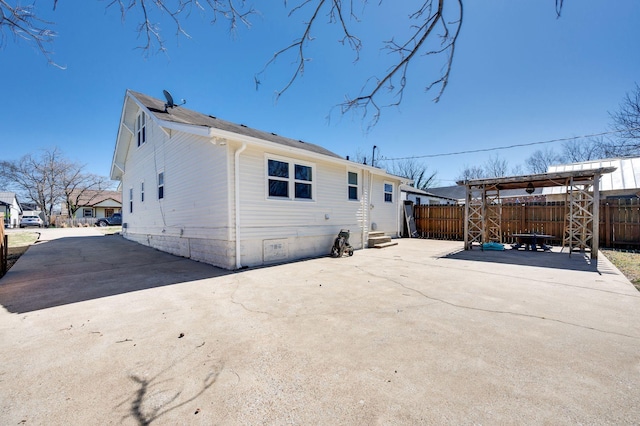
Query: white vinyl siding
[[195, 188]]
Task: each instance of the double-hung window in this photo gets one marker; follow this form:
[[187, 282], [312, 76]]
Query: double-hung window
[[289, 179], [141, 128], [352, 183], [130, 200], [142, 192], [160, 185], [388, 192]]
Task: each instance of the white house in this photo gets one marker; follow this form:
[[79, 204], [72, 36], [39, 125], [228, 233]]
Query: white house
[[95, 204], [420, 197], [10, 210], [223, 193]]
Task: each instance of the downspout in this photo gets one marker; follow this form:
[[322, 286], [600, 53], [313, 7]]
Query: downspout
[[365, 214], [236, 165]]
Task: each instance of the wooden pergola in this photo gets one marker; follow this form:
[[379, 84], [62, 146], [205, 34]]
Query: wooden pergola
[[483, 209]]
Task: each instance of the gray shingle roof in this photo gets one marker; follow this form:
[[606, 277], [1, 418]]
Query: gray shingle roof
[[184, 115], [7, 197]]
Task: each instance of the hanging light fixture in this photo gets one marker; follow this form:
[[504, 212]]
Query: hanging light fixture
[[530, 188]]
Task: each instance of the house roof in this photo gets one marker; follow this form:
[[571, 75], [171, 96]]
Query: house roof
[[626, 176], [413, 190], [92, 198], [182, 115], [7, 199], [458, 192]]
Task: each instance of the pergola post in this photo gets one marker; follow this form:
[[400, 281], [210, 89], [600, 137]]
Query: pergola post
[[467, 201], [595, 238]]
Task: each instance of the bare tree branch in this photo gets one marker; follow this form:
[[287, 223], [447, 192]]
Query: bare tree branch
[[21, 22]]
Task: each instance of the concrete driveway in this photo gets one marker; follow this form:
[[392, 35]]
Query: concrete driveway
[[99, 330]]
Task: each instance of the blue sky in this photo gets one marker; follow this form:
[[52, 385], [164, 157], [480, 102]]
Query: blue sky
[[520, 75]]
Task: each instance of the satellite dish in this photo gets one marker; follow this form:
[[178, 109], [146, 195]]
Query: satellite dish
[[170, 103]]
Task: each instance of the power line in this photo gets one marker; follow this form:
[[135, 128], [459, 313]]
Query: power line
[[511, 146]]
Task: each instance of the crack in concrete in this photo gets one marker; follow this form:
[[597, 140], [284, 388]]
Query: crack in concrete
[[517, 276], [473, 308]]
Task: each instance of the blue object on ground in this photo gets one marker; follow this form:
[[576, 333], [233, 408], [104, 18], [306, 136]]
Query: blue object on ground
[[492, 246]]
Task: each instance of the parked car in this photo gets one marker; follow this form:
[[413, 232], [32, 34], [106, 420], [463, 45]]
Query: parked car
[[113, 220], [31, 221]]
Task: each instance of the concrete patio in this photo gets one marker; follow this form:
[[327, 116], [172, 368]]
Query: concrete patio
[[98, 330]]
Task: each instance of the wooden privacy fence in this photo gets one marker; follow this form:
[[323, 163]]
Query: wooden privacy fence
[[619, 221], [4, 249]]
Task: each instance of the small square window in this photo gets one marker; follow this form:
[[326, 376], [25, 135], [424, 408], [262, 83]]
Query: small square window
[[303, 190], [278, 169], [278, 188]]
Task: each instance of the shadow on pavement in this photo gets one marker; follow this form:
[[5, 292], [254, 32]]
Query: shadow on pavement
[[70, 270], [548, 259]]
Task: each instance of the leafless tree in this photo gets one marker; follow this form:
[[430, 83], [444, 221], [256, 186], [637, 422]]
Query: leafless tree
[[80, 188], [626, 122], [540, 160], [49, 179], [496, 167], [411, 169], [22, 23], [434, 28], [583, 150], [471, 172]]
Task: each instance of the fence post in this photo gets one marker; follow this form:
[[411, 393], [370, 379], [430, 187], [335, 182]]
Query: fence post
[[607, 224], [5, 254]]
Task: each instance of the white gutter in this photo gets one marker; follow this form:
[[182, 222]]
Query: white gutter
[[365, 217], [236, 165]]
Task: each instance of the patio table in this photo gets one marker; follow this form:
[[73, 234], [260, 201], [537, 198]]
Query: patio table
[[531, 241]]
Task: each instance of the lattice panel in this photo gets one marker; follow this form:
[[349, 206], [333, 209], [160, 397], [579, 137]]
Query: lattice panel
[[474, 221], [493, 215], [579, 224]]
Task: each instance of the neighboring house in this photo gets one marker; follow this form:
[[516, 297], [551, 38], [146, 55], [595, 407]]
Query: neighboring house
[[10, 209], [624, 182], [507, 196], [223, 193], [420, 197], [96, 204]]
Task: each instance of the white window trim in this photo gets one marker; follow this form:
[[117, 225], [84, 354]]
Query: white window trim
[[131, 200], [358, 186], [385, 192], [140, 129], [291, 179], [142, 192], [161, 185]]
